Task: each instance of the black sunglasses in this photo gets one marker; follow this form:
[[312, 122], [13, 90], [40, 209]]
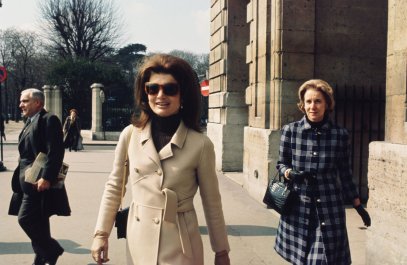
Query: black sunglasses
[[169, 89]]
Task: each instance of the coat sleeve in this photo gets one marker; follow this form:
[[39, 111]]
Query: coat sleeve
[[349, 190], [111, 197], [211, 199], [285, 151]]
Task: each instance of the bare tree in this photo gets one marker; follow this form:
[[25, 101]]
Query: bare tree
[[81, 28], [199, 62], [22, 54]]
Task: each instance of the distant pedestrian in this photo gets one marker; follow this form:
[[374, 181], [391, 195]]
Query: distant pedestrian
[[36, 203], [2, 128], [72, 131], [168, 160], [314, 155]]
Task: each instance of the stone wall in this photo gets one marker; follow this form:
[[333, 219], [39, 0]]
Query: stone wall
[[396, 126], [350, 42], [228, 73], [293, 41], [387, 238]]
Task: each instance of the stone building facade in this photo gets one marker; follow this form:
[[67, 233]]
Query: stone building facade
[[262, 50], [388, 159]]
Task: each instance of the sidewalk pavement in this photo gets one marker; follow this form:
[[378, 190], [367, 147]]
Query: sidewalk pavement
[[251, 227], [13, 129]]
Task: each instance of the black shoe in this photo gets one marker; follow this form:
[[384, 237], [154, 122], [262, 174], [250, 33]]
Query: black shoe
[[38, 260], [53, 260]]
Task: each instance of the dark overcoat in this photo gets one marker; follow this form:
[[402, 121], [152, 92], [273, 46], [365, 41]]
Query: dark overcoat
[[324, 153], [72, 133], [42, 135]]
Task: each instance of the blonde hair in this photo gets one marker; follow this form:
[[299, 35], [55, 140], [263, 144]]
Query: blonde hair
[[318, 85]]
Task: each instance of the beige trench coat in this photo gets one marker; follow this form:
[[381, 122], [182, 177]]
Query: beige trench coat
[[162, 225]]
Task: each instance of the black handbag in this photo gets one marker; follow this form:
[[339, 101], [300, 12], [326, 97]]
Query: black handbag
[[121, 222], [122, 214], [279, 195]]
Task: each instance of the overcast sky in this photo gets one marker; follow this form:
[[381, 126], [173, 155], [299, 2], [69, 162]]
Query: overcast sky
[[161, 25]]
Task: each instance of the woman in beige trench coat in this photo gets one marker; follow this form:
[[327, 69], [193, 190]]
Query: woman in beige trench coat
[[168, 160]]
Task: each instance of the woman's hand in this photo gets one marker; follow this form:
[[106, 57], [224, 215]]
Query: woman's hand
[[362, 212], [222, 258], [100, 247], [287, 173], [296, 176]]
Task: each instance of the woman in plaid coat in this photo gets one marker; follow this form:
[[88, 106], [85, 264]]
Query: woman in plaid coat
[[314, 155]]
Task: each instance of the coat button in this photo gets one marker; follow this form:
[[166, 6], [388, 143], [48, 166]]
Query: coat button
[[156, 220], [159, 172], [314, 153], [318, 200], [136, 169], [323, 223]]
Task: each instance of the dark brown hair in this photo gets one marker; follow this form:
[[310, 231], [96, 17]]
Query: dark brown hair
[[190, 91]]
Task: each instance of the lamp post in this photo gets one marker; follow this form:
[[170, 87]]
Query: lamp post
[[3, 77], [102, 97]]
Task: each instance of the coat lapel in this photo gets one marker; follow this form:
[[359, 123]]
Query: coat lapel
[[146, 141], [177, 139], [26, 131]]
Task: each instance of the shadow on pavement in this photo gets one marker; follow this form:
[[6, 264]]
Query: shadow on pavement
[[245, 230], [15, 248], [25, 247]]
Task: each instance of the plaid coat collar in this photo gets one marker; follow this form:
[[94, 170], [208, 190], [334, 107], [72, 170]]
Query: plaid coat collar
[[305, 125]]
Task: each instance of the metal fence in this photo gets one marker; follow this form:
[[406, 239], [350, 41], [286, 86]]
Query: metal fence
[[361, 110], [116, 115]]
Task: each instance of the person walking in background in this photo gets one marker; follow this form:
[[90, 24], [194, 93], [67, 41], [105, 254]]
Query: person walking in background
[[314, 155], [72, 131], [35, 203], [2, 128], [169, 158]]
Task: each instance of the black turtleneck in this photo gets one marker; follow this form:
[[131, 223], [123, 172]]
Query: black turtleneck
[[318, 124], [163, 128]]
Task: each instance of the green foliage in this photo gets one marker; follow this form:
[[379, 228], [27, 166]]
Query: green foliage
[[130, 55], [76, 77]]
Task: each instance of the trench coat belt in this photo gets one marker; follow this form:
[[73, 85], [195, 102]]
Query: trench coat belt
[[171, 208]]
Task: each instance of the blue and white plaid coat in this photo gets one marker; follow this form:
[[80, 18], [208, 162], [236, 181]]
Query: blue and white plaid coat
[[328, 159]]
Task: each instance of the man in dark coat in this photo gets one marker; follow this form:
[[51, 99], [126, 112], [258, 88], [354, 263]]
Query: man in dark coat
[[35, 203]]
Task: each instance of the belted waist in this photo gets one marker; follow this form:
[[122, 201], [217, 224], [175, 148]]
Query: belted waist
[[172, 207]]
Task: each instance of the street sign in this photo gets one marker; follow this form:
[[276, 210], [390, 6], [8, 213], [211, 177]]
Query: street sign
[[3, 74], [205, 88]]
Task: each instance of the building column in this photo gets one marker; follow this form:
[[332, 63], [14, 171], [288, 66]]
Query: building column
[[57, 102], [228, 75], [278, 64], [48, 98], [97, 94]]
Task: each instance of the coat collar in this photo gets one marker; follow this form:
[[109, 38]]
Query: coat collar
[[305, 125], [32, 125], [178, 140]]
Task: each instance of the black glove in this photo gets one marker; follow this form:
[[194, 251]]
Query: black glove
[[298, 176], [364, 214]]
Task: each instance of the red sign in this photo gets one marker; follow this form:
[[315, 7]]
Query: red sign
[[3, 74], [205, 88]]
